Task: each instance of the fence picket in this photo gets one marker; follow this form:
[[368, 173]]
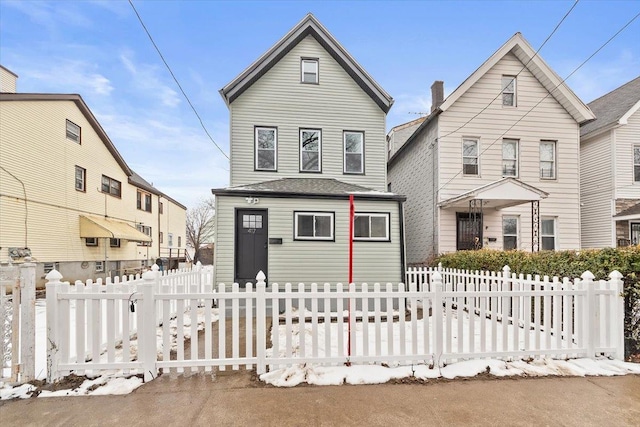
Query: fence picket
[[222, 315], [248, 303], [235, 325]]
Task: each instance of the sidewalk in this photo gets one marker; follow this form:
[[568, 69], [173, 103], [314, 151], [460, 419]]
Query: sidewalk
[[234, 399]]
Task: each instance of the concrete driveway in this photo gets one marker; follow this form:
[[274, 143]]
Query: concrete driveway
[[235, 399]]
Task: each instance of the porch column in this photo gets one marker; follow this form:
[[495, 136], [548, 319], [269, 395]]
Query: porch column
[[535, 225]]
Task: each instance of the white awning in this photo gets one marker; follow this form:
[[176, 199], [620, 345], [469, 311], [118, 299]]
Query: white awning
[[500, 194], [101, 227]]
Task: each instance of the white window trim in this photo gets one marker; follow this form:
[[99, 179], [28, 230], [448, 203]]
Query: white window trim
[[71, 134], [344, 152], [94, 241], [517, 235], [331, 215], [515, 90], [117, 241], [477, 141], [633, 160], [275, 148], [385, 215], [317, 71], [555, 159], [517, 159], [99, 266], [144, 229], [319, 149], [170, 239], [555, 231]]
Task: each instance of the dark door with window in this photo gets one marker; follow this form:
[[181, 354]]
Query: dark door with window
[[251, 244], [468, 231]]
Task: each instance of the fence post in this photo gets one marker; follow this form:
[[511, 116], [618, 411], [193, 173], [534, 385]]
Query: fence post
[[437, 317], [27, 321], [589, 314], [618, 318], [261, 318], [52, 287], [147, 351]]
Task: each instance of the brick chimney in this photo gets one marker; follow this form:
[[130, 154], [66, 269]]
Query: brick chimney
[[7, 80], [437, 94]]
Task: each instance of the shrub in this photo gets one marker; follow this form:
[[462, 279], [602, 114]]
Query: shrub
[[570, 264]]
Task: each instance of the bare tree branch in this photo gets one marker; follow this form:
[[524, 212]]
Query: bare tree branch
[[200, 225]]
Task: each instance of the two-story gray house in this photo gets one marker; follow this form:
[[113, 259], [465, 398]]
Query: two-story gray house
[[496, 163], [307, 131]]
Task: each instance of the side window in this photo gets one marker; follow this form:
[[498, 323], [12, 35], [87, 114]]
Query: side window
[[509, 91], [310, 150], [81, 179], [353, 152], [266, 149], [470, 160], [309, 70], [73, 132], [371, 226], [510, 157], [548, 159], [548, 234], [313, 226], [636, 163], [509, 232]]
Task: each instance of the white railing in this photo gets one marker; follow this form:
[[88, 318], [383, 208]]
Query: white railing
[[458, 316]]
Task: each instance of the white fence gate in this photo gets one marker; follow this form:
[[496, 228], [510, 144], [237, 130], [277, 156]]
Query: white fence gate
[[17, 322], [444, 316]]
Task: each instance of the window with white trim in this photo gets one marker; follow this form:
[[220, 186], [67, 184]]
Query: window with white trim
[[313, 225], [310, 150], [547, 159], [81, 178], [309, 70], [114, 243], [99, 266], [510, 157], [548, 233], [353, 152], [145, 229], [636, 163], [266, 149], [509, 91], [371, 226], [73, 132], [509, 232], [91, 241], [470, 159], [170, 238]]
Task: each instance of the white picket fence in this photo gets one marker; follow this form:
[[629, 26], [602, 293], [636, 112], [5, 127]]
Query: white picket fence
[[440, 317]]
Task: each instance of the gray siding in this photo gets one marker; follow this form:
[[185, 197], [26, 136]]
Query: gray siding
[[414, 175], [312, 261], [336, 104], [596, 191], [626, 136]]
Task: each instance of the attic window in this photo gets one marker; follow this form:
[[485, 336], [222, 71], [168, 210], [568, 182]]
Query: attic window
[[73, 131], [309, 70], [508, 91]]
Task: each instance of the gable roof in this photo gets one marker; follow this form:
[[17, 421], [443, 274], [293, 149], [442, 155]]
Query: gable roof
[[538, 67], [306, 187], [308, 26], [614, 107], [503, 193], [138, 181], [84, 109]]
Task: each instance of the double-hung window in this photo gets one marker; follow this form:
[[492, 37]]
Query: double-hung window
[[510, 157], [636, 163], [547, 159], [145, 229], [309, 70], [470, 164], [371, 226], [143, 201], [81, 179], [170, 236], [111, 186], [99, 266], [73, 132], [353, 152], [313, 225], [509, 91], [266, 149], [310, 150], [548, 233], [509, 232]]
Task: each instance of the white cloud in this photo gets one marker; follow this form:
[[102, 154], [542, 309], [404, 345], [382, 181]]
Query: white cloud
[[52, 14], [66, 75], [146, 80]]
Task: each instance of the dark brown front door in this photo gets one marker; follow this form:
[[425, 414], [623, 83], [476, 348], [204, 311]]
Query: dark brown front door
[[251, 244], [468, 231]]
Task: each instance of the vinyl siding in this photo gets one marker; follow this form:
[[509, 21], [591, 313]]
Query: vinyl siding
[[548, 121], [7, 81], [336, 104], [413, 174], [34, 148], [596, 191], [626, 136], [311, 261]]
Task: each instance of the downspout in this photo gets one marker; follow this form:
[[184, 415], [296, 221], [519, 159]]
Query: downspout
[[402, 243]]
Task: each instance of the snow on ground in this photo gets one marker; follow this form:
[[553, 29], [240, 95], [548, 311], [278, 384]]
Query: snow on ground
[[99, 386]]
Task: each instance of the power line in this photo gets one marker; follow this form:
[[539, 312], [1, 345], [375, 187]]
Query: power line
[[176, 80], [521, 70], [548, 94]]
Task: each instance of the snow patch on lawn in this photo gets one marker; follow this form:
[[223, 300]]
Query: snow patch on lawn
[[99, 386]]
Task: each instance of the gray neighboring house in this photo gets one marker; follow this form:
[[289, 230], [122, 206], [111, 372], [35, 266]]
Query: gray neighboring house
[[610, 170], [496, 163], [307, 131]]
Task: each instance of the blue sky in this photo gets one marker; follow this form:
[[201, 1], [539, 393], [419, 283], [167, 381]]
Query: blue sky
[[99, 49]]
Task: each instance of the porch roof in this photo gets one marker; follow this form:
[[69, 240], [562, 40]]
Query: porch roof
[[631, 213], [499, 194]]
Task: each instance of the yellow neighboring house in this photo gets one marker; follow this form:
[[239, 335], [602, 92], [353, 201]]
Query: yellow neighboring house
[[68, 198]]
